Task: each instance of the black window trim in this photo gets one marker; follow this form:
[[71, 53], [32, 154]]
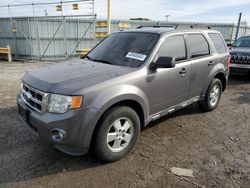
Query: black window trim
[[189, 53]]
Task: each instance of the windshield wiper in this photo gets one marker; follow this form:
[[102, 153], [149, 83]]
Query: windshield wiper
[[97, 60], [102, 61], [89, 58]]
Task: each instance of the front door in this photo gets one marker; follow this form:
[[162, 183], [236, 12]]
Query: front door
[[170, 86]]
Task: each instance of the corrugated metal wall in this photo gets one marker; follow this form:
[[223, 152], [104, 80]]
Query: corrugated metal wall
[[46, 38], [58, 38]]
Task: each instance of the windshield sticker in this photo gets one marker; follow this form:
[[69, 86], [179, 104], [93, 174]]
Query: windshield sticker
[[133, 55]]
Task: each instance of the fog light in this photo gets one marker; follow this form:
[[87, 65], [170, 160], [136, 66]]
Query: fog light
[[57, 134]]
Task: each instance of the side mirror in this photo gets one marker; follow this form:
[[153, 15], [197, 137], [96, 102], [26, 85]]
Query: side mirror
[[229, 45], [163, 62]]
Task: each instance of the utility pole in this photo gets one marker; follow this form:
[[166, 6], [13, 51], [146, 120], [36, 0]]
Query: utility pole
[[109, 17], [238, 27]]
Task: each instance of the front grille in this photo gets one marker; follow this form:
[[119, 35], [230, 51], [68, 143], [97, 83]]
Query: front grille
[[34, 98], [240, 59]]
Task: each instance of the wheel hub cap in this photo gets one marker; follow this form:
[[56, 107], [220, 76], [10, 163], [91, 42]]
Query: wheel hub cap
[[120, 134], [214, 95]]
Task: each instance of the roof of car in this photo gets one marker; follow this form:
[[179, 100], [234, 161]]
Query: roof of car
[[246, 36], [165, 30]]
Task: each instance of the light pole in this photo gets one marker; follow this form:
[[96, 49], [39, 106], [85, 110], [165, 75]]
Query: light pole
[[167, 17], [238, 26], [109, 17]]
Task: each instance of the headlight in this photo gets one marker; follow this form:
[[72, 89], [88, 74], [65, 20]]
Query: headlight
[[61, 103]]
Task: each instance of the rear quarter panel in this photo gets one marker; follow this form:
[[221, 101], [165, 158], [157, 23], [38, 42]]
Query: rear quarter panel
[[220, 62]]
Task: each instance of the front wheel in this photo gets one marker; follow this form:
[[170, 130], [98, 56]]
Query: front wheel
[[117, 134], [213, 96]]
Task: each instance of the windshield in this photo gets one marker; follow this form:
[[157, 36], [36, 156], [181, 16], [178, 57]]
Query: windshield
[[242, 42], [129, 49]]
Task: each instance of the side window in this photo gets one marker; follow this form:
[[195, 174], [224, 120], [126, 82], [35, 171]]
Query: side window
[[198, 45], [218, 43], [173, 47]]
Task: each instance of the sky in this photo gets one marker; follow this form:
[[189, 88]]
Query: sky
[[220, 11]]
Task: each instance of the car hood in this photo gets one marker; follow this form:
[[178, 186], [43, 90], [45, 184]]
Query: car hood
[[70, 77], [238, 50]]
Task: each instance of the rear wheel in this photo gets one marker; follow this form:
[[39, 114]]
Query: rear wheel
[[213, 96], [117, 134]]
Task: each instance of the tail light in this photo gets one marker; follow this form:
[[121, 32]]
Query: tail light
[[228, 61]]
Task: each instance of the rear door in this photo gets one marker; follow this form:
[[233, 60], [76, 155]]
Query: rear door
[[201, 62], [169, 86]]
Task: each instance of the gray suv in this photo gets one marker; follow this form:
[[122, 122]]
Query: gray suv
[[128, 80]]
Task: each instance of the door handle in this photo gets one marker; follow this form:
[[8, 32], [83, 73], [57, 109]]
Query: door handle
[[211, 63], [183, 71]]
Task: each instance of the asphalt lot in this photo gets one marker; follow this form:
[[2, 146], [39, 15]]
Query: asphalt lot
[[215, 145]]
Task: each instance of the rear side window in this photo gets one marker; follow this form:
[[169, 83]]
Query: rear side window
[[173, 47], [198, 45], [218, 43]]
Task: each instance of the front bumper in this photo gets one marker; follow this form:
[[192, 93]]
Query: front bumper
[[239, 68], [78, 126]]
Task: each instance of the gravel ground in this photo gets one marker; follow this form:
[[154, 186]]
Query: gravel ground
[[215, 145]]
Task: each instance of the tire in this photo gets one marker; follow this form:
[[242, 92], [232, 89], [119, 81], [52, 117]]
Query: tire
[[117, 133], [212, 97]]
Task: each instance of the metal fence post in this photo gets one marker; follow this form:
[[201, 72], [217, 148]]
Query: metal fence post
[[65, 38], [13, 34], [37, 34], [14, 30], [77, 31], [94, 30], [38, 40], [31, 44]]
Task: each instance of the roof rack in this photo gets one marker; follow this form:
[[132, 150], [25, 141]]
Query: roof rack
[[157, 26], [172, 26], [192, 27]]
